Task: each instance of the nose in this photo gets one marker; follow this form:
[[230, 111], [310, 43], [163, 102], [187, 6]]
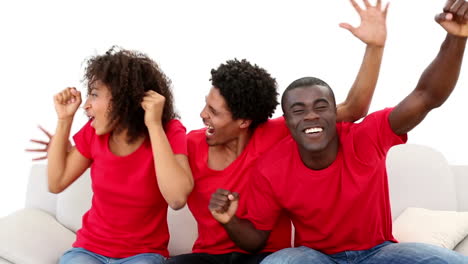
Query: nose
[[203, 113], [87, 104], [311, 115]]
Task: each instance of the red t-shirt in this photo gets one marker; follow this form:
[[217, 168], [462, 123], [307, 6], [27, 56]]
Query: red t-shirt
[[212, 238], [128, 212], [342, 207]]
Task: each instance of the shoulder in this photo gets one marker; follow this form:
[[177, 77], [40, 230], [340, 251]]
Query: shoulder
[[174, 125], [279, 157]]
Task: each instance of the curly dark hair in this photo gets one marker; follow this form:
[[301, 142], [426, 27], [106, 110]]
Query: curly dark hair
[[129, 74], [249, 91]]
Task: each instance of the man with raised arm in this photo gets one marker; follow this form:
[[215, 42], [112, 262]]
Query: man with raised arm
[[330, 178]]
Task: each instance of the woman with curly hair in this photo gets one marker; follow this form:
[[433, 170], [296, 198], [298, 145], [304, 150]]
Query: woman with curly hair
[[137, 152]]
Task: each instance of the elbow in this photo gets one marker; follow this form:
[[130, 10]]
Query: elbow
[[177, 204], [55, 189]]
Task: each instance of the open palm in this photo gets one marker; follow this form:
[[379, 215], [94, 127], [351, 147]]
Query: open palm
[[373, 28]]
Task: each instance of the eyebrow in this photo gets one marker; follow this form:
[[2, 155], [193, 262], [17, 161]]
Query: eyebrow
[[296, 104]]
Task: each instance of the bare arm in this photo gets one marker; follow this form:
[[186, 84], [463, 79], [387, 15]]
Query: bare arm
[[373, 32], [223, 207], [172, 171], [64, 166], [440, 77]]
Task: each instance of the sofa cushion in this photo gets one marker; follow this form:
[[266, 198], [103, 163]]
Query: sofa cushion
[[74, 201], [32, 236], [419, 176], [38, 195], [183, 231], [441, 228], [462, 247]]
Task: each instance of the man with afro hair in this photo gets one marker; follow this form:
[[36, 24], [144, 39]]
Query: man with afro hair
[[238, 130]]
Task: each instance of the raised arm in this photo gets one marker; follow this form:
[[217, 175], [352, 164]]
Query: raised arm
[[440, 77], [173, 172], [373, 32], [64, 166], [223, 207]]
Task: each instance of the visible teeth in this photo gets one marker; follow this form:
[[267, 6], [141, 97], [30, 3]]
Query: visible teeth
[[313, 130], [209, 130]]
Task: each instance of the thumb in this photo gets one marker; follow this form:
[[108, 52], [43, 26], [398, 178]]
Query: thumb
[[443, 17], [348, 27], [234, 198]]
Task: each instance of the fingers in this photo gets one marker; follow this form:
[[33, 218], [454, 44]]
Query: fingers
[[48, 134], [367, 4], [385, 11], [152, 98], [356, 6], [46, 143], [348, 27], [459, 8], [221, 200], [40, 158], [462, 13], [448, 5], [379, 4], [67, 96], [443, 17]]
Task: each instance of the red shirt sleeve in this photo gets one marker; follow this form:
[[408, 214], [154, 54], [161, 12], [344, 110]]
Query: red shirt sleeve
[[262, 208], [376, 136], [177, 137], [83, 140]]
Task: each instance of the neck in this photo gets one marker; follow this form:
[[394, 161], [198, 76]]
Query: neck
[[319, 160], [221, 156], [119, 145]]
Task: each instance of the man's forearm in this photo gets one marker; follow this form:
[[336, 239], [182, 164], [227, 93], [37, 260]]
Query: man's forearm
[[245, 235], [360, 95], [441, 76]]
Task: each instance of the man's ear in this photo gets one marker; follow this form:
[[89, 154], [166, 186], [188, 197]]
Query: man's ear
[[245, 123]]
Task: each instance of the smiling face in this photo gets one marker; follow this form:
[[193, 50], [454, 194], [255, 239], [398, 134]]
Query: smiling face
[[221, 127], [97, 107], [310, 114]]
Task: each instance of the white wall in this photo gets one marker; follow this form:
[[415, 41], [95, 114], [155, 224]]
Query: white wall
[[44, 43]]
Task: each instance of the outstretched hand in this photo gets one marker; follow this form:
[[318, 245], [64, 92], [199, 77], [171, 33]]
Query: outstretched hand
[[373, 28], [223, 205], [45, 145], [454, 19]]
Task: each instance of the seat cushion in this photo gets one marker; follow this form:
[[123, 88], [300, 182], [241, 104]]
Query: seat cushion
[[440, 228], [32, 236]]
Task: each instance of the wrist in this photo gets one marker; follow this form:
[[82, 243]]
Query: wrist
[[65, 121], [231, 222]]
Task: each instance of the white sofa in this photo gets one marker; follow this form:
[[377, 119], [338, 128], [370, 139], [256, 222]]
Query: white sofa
[[418, 177]]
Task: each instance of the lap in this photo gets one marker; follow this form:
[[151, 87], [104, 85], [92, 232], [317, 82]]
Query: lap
[[229, 258], [299, 255], [389, 253], [81, 255], [402, 253]]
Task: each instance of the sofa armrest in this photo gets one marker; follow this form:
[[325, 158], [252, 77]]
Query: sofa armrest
[[460, 173], [32, 236]]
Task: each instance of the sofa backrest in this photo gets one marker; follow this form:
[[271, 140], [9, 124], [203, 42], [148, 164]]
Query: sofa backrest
[[37, 194], [419, 176], [70, 205], [461, 184]]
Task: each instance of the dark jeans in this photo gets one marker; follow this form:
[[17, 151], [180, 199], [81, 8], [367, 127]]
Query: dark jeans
[[230, 258]]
